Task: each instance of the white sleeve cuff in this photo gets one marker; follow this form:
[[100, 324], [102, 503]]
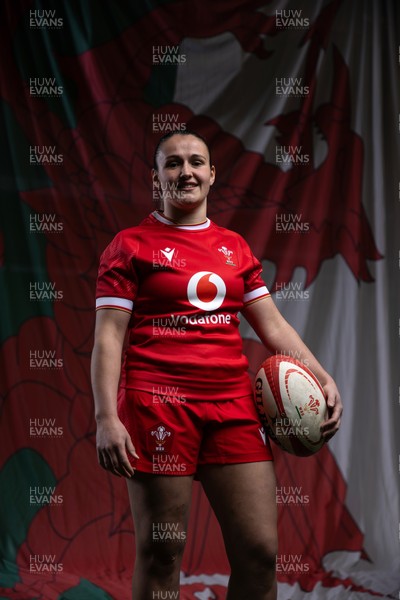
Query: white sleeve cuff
[[112, 302], [255, 294]]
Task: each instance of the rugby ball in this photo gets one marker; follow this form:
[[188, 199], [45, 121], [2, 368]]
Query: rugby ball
[[291, 404]]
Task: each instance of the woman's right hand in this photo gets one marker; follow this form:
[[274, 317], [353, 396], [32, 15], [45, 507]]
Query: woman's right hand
[[113, 442]]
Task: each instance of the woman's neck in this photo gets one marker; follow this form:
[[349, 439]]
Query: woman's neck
[[186, 217]]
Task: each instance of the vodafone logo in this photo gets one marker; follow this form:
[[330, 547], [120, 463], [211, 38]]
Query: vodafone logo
[[206, 290]]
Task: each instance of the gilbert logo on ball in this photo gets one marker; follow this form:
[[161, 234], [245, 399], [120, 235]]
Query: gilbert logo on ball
[[291, 405]]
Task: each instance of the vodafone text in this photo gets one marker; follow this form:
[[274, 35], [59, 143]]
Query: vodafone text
[[177, 324]]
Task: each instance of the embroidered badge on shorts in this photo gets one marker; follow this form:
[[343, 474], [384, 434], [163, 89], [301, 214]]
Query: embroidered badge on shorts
[[159, 438]]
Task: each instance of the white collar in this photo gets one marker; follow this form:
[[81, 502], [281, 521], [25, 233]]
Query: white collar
[[198, 227]]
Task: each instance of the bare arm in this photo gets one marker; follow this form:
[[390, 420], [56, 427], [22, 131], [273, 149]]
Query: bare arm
[[278, 336], [112, 439]]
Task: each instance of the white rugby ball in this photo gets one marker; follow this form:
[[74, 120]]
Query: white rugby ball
[[291, 404]]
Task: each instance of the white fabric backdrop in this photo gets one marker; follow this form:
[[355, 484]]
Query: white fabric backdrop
[[352, 326]]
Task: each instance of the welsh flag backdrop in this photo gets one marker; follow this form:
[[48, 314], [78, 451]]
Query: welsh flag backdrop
[[300, 101]]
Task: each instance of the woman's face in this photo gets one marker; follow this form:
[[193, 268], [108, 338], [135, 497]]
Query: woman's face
[[184, 172]]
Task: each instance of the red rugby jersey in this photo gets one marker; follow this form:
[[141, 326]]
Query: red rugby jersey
[[184, 286]]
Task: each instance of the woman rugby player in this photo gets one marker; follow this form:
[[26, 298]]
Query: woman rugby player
[[176, 282]]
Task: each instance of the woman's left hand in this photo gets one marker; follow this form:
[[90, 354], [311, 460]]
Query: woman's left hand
[[335, 409]]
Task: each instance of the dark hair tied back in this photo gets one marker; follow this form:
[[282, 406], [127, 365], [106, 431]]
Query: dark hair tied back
[[168, 135]]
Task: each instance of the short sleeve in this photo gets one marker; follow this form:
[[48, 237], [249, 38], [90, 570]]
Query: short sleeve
[[254, 286], [117, 279]]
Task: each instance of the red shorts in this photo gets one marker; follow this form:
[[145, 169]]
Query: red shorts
[[175, 437]]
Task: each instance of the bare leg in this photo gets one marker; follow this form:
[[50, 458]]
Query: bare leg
[[160, 507], [243, 498]]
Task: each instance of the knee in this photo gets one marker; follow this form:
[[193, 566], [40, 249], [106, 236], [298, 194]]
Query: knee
[[264, 555], [167, 556], [164, 554], [256, 557]]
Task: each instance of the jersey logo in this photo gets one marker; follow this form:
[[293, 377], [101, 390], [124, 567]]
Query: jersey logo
[[206, 290], [263, 435], [168, 253], [167, 259], [228, 255]]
